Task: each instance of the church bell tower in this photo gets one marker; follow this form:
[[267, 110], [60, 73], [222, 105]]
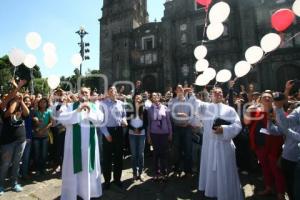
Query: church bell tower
[[119, 19]]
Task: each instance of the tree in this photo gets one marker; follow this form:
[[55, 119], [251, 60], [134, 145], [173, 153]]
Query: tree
[[22, 72], [41, 86], [93, 81]]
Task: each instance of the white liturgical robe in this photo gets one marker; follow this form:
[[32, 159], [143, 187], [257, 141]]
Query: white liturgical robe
[[218, 171], [86, 184]]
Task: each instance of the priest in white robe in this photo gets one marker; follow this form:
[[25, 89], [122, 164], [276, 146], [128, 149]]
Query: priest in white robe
[[218, 171], [81, 172]]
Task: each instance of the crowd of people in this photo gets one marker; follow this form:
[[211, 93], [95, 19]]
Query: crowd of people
[[83, 135]]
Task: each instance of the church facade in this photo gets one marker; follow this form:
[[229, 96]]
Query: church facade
[[160, 54]]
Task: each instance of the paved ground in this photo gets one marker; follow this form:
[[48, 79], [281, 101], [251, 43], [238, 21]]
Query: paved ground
[[48, 188]]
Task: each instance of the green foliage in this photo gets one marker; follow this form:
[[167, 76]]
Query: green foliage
[[7, 70], [41, 86], [92, 81]]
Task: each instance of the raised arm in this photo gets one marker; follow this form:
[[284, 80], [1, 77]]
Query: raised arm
[[95, 115], [290, 121], [69, 116]]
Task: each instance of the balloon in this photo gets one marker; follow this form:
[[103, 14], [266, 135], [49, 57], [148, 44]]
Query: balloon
[[223, 76], [50, 59], [49, 48], [296, 8], [201, 65], [254, 54], [202, 80], [242, 68], [76, 60], [200, 52], [210, 73], [270, 42], [219, 12], [282, 19], [53, 81], [33, 40], [16, 57], [214, 31], [205, 3], [30, 61]]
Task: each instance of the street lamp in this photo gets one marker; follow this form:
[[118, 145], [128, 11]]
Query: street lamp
[[83, 50]]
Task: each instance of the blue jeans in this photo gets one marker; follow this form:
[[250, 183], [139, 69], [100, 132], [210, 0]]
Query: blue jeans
[[26, 158], [11, 154], [182, 140], [40, 146], [137, 146]]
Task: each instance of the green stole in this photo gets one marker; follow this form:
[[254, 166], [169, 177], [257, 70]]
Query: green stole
[[77, 160]]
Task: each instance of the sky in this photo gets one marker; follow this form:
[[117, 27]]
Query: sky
[[57, 21]]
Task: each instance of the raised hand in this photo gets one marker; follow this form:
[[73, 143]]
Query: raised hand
[[231, 83], [20, 97], [84, 107], [289, 84], [14, 84], [21, 83]]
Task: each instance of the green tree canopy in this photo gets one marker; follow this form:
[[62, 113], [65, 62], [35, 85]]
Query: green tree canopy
[[7, 70]]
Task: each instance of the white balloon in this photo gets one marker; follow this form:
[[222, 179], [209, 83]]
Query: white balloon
[[33, 40], [219, 12], [210, 73], [49, 48], [76, 60], [254, 54], [200, 52], [242, 68], [30, 61], [202, 80], [16, 57], [201, 65], [214, 31], [223, 76], [270, 42], [50, 60], [296, 8], [53, 81]]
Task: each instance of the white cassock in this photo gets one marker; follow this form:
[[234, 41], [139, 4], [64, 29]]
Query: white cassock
[[84, 184], [218, 171]]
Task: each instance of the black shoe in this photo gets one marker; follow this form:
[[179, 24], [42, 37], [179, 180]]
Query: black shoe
[[106, 186], [119, 184]]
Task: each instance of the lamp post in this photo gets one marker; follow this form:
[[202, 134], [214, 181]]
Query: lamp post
[[81, 32]]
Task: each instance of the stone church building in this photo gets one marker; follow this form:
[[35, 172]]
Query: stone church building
[[161, 53]]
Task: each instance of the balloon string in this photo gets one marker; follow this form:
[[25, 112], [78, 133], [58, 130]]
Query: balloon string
[[15, 69], [268, 54], [291, 38], [215, 84], [205, 26], [283, 43]]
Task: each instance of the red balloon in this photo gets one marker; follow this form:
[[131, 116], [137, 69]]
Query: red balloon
[[282, 19], [205, 3]]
